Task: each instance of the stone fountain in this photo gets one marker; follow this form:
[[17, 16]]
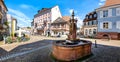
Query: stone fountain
[[71, 48]]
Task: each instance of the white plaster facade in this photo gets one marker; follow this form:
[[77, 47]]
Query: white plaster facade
[[45, 17], [88, 33], [55, 13], [9, 19]]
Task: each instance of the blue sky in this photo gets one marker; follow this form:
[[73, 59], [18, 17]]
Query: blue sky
[[24, 10]]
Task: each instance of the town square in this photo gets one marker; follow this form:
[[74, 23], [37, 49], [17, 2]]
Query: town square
[[60, 31]]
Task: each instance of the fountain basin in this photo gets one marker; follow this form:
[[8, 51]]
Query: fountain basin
[[70, 52]]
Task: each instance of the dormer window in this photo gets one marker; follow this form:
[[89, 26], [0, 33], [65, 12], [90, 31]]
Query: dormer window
[[90, 16], [86, 17], [95, 15]]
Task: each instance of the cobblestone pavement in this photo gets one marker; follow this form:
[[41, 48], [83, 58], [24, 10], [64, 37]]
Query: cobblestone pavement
[[33, 39], [17, 49], [106, 51]]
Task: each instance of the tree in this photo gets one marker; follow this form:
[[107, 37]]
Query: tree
[[28, 27]]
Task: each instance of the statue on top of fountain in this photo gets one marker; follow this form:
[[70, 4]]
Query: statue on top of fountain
[[72, 28]]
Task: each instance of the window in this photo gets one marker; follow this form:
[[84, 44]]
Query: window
[[47, 18], [118, 24], [35, 25], [90, 31], [90, 16], [64, 25], [62, 33], [84, 23], [0, 21], [49, 25], [86, 32], [58, 25], [105, 13], [105, 25], [95, 15], [88, 23], [94, 31], [118, 11], [92, 22], [96, 22], [54, 26], [87, 17]]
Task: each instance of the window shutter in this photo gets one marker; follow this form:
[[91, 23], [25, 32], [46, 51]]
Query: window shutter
[[110, 12], [101, 14], [117, 11], [101, 25], [110, 25], [118, 24]]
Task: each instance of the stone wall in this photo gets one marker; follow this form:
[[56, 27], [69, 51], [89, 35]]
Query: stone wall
[[108, 35]]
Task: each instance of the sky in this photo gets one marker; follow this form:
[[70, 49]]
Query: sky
[[24, 10]]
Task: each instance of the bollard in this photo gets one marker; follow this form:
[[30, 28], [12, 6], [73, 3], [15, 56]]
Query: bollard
[[4, 39], [95, 44]]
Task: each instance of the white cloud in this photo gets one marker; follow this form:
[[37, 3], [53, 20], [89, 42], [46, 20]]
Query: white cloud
[[21, 17], [24, 6], [100, 4], [80, 21], [20, 25], [71, 10], [102, 0]]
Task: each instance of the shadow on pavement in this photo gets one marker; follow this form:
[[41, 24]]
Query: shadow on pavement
[[103, 53]]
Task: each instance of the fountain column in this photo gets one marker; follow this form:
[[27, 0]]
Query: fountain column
[[72, 28]]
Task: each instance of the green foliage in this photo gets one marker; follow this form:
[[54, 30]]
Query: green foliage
[[19, 39], [6, 23], [8, 40], [27, 39]]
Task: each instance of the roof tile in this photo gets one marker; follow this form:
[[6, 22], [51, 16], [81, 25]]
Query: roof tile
[[111, 2], [66, 18]]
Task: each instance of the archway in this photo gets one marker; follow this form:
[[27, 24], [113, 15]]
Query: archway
[[106, 36]]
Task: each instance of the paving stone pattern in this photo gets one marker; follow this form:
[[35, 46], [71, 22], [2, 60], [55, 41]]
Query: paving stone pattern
[[41, 50]]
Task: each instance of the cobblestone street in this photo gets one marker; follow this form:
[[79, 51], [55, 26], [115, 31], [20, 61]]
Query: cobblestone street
[[38, 49]]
